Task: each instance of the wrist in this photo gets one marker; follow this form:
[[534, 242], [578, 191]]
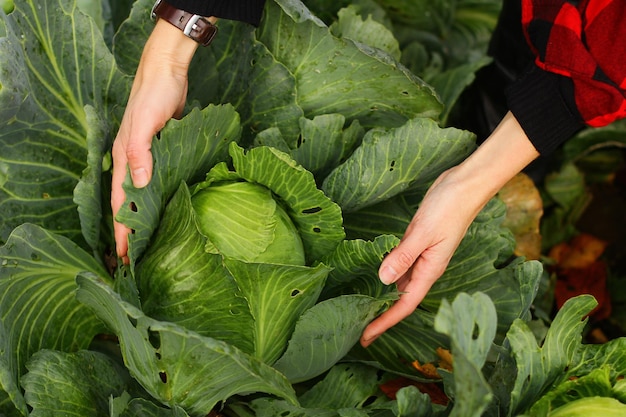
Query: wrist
[[503, 155], [168, 49]]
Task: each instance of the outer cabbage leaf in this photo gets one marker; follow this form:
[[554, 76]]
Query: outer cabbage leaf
[[597, 383], [470, 322], [592, 139], [539, 367], [325, 333], [177, 366], [78, 383], [133, 33], [317, 217], [351, 25], [124, 406], [44, 124], [388, 162], [336, 76], [37, 305], [208, 132], [321, 145], [593, 356], [390, 217], [355, 267], [349, 389], [277, 296]]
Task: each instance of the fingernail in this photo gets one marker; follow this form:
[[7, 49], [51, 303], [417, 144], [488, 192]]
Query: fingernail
[[366, 341], [388, 275], [140, 178]]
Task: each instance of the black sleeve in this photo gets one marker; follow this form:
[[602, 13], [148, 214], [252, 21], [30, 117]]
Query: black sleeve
[[542, 103], [243, 10]]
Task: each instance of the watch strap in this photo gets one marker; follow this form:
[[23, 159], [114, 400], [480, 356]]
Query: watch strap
[[194, 26]]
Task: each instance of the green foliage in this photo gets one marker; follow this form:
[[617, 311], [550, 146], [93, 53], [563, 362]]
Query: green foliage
[[344, 132]]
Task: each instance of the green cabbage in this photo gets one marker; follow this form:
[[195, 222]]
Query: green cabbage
[[245, 222]]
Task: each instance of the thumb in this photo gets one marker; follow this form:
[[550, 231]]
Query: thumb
[[401, 259]]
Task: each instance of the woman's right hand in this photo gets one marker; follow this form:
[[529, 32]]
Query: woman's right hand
[[158, 93]]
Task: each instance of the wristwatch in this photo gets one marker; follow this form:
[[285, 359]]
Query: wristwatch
[[194, 26]]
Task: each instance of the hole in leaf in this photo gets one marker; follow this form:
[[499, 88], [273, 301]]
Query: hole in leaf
[[158, 135], [312, 210], [285, 413], [369, 401], [154, 338], [163, 377], [475, 332], [295, 293], [317, 229], [405, 93], [133, 206]]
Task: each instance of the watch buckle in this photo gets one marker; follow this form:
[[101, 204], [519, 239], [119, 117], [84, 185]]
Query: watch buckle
[[191, 24]]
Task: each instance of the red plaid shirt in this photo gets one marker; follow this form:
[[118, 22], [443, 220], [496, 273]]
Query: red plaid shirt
[[584, 44], [587, 43]]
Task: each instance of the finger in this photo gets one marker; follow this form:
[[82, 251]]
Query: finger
[[416, 290], [117, 199], [401, 258], [414, 286], [139, 156]]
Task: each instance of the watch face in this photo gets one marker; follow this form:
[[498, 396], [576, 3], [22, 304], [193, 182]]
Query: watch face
[[153, 15]]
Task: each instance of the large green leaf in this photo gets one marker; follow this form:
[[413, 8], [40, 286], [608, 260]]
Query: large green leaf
[[347, 390], [252, 79], [208, 133], [177, 366], [321, 145], [277, 296], [592, 356], [325, 333], [37, 305], [54, 64], [355, 267], [388, 162], [135, 27], [125, 406], [470, 322], [337, 76], [539, 367], [351, 25], [80, 383]]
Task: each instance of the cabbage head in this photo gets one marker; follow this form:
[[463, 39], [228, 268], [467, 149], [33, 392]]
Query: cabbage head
[[245, 222], [236, 257]]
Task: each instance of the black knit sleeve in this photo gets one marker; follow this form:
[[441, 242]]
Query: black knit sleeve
[[243, 10], [543, 103]]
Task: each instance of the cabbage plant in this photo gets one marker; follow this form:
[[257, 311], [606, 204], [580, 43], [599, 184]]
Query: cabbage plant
[[302, 156]]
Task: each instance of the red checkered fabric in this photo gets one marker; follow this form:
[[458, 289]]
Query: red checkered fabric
[[586, 41]]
